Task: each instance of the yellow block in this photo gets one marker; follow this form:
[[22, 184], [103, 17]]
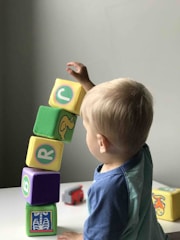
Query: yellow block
[[67, 95], [44, 153], [167, 203]]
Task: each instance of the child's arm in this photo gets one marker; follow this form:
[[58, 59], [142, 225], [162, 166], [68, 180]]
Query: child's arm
[[80, 73], [70, 236]]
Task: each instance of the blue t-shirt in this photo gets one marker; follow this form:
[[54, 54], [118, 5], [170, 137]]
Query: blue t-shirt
[[120, 203]]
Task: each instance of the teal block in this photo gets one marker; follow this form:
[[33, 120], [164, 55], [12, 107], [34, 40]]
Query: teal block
[[41, 220], [55, 123]]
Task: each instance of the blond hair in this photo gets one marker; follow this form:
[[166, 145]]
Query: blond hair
[[122, 111]]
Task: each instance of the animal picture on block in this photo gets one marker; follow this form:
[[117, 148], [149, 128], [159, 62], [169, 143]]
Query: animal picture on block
[[166, 202], [44, 153], [41, 220], [40, 186], [54, 123], [67, 95]]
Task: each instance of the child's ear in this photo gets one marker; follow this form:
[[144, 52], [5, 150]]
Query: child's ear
[[102, 142]]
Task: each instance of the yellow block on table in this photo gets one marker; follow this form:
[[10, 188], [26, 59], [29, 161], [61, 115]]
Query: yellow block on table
[[166, 202]]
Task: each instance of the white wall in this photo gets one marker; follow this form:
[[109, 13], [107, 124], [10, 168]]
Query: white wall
[[16, 88], [138, 39], [1, 76]]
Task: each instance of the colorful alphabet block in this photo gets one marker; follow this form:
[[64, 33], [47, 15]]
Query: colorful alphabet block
[[41, 220], [44, 153], [54, 123], [67, 95], [40, 187], [167, 203]]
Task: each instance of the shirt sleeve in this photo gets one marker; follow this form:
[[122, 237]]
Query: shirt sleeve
[[108, 205]]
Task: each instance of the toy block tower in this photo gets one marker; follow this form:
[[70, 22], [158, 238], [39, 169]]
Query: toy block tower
[[40, 182]]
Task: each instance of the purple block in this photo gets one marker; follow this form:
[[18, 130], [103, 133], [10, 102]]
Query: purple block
[[40, 187]]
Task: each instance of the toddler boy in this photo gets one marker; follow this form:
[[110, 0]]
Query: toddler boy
[[117, 116]]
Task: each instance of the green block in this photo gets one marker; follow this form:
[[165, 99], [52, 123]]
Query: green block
[[41, 220], [55, 123]]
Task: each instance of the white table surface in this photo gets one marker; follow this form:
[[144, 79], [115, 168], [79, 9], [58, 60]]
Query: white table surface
[[12, 214]]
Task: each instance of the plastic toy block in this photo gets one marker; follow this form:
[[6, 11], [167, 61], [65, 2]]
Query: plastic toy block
[[67, 95], [44, 153], [40, 187], [41, 220], [166, 203], [54, 123]]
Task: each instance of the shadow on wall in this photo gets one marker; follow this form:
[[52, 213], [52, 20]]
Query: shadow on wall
[[17, 88]]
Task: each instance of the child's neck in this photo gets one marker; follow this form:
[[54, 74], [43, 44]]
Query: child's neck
[[114, 160], [111, 165]]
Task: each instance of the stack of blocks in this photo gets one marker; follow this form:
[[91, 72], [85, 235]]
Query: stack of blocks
[[40, 183]]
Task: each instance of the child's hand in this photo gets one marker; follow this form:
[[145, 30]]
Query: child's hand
[[70, 236], [80, 73]]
